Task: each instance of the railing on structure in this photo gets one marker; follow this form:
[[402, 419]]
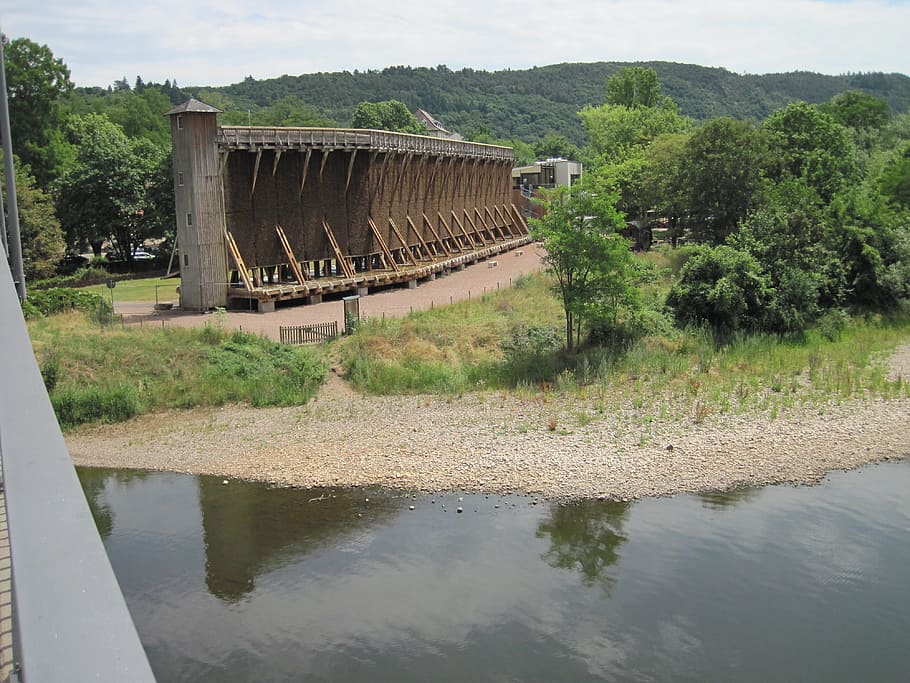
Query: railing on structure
[[308, 334], [265, 137], [71, 622]]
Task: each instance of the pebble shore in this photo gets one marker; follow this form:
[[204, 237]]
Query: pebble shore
[[495, 443]]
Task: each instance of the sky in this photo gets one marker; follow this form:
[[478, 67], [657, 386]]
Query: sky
[[218, 43]]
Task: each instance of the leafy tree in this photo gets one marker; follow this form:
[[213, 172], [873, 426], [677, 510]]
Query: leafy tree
[[107, 193], [723, 288], [809, 144], [36, 80], [617, 131], [634, 86], [593, 266], [555, 146], [291, 111], [858, 110], [42, 239], [389, 115], [721, 175], [895, 179]]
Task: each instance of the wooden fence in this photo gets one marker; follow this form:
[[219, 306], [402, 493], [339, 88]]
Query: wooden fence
[[308, 334]]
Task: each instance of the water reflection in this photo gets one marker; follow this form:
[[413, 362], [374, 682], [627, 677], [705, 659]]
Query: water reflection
[[721, 500], [94, 484], [586, 536], [251, 528]]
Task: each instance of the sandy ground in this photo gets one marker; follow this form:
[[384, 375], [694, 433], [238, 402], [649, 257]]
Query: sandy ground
[[489, 441]]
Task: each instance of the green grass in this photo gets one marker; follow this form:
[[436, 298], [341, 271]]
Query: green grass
[[511, 340], [111, 375], [140, 289]]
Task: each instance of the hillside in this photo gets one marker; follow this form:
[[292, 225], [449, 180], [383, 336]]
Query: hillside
[[527, 104]]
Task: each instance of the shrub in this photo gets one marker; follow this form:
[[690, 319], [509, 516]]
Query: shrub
[[77, 406]]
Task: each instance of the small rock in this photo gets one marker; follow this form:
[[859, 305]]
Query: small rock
[[225, 481], [459, 511], [410, 507]]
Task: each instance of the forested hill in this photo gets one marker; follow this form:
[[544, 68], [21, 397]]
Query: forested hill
[[528, 104]]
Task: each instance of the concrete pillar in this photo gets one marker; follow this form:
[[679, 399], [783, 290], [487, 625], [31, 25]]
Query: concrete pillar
[[363, 291], [412, 284], [266, 306], [314, 299]]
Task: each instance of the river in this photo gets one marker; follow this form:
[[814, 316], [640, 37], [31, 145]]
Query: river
[[236, 581]]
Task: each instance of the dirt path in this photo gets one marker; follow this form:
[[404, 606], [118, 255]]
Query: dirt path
[[473, 281]]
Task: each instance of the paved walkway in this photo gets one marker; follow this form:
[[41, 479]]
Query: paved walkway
[[473, 281]]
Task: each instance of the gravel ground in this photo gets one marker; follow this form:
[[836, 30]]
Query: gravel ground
[[496, 443], [488, 441]]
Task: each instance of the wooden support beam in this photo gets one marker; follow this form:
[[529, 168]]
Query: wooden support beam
[[493, 222], [306, 168], [403, 242], [452, 237], [256, 171], [238, 261], [222, 162], [339, 256], [404, 168], [292, 260], [477, 231], [439, 241], [522, 225], [275, 164], [325, 158], [387, 255], [423, 245], [485, 224], [506, 224], [350, 169], [472, 242], [381, 183]]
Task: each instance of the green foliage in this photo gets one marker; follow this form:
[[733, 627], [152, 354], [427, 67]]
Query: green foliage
[[592, 265], [42, 239], [634, 86], [721, 171], [807, 144], [36, 80], [894, 181], [723, 288], [117, 188], [858, 110], [111, 375], [390, 115], [617, 131], [51, 301]]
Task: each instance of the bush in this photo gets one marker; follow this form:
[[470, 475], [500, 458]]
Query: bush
[[77, 406], [723, 288], [57, 300]]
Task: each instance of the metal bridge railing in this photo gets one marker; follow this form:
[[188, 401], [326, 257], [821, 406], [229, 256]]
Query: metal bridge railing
[[70, 621]]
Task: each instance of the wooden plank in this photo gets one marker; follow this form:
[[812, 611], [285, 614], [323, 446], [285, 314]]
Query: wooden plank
[[423, 245], [493, 222], [292, 260], [350, 170], [238, 261], [439, 241], [472, 243], [522, 225], [477, 231], [222, 163], [256, 172], [275, 165], [402, 240], [485, 224], [506, 224], [454, 239], [306, 168], [339, 256], [325, 158], [387, 255]]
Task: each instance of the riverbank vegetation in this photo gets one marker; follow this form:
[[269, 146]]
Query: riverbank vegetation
[[97, 373]]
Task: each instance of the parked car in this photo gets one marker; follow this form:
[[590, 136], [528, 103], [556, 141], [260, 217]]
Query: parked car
[[139, 255]]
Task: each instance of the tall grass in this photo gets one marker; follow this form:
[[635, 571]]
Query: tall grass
[[512, 340], [111, 375]]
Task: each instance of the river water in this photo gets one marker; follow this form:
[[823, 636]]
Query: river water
[[238, 581]]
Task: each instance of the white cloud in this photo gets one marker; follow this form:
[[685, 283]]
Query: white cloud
[[208, 43]]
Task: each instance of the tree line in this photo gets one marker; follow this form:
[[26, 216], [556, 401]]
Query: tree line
[[798, 216]]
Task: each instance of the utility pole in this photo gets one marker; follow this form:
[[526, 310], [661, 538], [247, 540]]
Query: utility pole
[[15, 241]]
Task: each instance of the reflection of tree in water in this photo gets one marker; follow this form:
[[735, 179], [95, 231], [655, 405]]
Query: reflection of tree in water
[[721, 500], [251, 528], [94, 482], [585, 536]]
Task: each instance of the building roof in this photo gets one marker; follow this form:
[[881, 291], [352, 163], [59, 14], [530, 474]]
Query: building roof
[[193, 105]]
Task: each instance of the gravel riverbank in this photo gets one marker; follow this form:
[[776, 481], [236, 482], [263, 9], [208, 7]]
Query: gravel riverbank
[[502, 443]]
